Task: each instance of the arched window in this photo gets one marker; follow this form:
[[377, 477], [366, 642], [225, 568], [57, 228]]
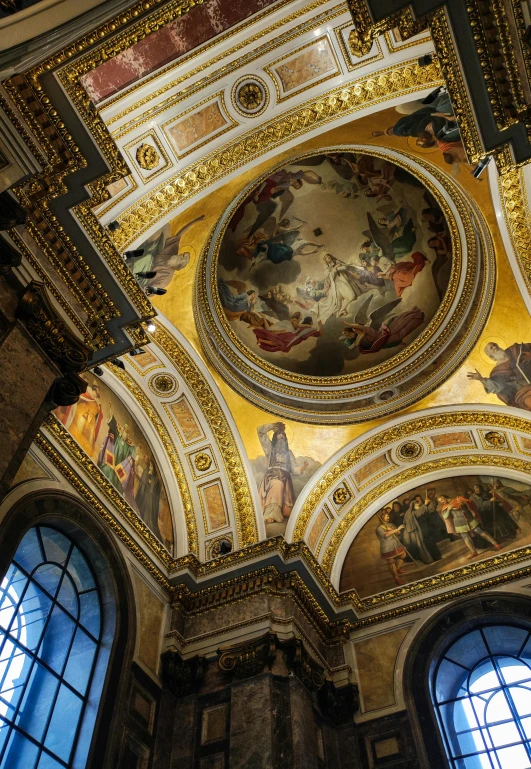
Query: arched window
[[481, 689], [50, 631]]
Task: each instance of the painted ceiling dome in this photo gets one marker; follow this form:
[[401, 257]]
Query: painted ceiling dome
[[341, 282]]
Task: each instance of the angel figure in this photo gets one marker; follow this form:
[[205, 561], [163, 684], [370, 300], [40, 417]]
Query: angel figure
[[379, 184], [284, 244], [161, 255], [372, 334], [276, 187], [393, 218], [242, 305], [393, 247], [282, 336], [403, 273], [312, 292]]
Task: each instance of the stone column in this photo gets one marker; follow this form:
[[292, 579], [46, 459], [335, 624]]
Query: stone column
[[39, 364], [263, 704]]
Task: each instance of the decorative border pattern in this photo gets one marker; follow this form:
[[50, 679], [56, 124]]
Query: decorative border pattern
[[242, 499], [347, 100]]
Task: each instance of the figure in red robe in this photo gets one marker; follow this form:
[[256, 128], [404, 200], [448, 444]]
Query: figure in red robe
[[403, 273], [279, 339]]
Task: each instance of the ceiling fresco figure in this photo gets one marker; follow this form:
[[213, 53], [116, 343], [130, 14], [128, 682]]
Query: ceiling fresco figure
[[380, 247], [280, 478], [162, 256], [510, 379]]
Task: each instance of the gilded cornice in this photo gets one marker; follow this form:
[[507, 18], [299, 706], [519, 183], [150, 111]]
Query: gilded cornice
[[212, 412], [270, 580], [495, 50], [517, 218], [338, 102]]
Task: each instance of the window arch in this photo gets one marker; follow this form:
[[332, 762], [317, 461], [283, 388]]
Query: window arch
[[481, 690], [50, 636]]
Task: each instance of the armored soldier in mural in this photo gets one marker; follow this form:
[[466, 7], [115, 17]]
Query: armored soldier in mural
[[392, 551], [462, 517]]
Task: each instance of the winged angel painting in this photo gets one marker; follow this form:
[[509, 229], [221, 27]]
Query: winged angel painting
[[334, 263]]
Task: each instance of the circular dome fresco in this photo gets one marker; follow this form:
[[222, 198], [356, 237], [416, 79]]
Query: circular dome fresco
[[344, 285]]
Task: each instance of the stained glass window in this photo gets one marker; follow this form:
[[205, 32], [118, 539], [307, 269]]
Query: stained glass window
[[482, 694], [50, 630]]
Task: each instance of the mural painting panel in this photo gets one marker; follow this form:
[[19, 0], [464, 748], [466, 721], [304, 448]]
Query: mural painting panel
[[187, 424], [109, 434], [280, 476], [215, 507], [334, 264], [437, 527]]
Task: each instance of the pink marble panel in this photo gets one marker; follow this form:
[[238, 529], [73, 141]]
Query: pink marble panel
[[179, 37]]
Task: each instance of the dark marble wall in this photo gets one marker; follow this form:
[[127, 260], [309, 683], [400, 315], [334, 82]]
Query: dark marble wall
[[270, 721]]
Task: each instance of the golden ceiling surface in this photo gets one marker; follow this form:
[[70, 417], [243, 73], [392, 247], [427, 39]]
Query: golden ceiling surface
[[320, 270]]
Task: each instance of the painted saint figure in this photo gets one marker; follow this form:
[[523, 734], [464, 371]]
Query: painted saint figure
[[412, 536], [161, 255], [116, 459], [462, 517], [344, 283], [391, 334], [276, 492], [510, 379], [83, 420]]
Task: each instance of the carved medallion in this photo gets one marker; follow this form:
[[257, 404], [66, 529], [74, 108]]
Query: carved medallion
[[409, 450], [163, 384], [147, 157], [202, 461], [495, 439], [341, 495], [250, 96]]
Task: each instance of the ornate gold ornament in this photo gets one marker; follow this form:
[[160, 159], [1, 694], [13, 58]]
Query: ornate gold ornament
[[241, 497], [341, 495], [147, 157], [339, 102], [213, 546], [202, 461], [409, 451], [250, 96], [495, 439], [163, 384]]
